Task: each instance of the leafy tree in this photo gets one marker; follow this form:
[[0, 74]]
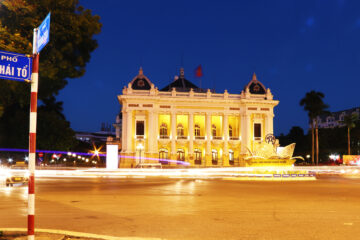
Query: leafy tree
[[314, 105], [50, 105], [64, 57], [296, 134], [349, 121]]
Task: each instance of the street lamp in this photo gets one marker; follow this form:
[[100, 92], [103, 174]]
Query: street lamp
[[140, 147]]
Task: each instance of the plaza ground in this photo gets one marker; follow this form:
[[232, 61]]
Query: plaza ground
[[154, 207]]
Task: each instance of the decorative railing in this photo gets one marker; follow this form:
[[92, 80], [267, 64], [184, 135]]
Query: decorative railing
[[197, 161], [164, 137], [191, 94], [236, 96], [200, 137], [164, 93], [234, 161], [234, 138], [181, 137], [182, 94], [217, 138]]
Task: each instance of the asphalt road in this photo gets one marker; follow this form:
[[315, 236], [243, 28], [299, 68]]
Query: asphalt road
[[328, 208]]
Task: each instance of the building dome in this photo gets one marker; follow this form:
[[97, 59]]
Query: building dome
[[141, 82], [181, 84], [255, 86]]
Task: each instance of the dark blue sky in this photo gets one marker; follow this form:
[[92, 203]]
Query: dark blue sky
[[293, 46]]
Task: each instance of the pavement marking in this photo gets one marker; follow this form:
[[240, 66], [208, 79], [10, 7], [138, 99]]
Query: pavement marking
[[268, 179], [348, 224], [75, 234]]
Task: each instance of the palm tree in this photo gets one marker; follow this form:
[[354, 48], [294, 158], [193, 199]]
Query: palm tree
[[349, 121], [314, 105]]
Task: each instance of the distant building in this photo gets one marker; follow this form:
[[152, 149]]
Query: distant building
[[106, 131], [334, 119], [189, 125]]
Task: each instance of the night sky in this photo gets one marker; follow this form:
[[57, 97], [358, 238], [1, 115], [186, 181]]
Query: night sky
[[292, 46]]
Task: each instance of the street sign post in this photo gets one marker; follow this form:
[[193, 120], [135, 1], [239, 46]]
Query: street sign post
[[43, 34], [41, 38], [15, 66]]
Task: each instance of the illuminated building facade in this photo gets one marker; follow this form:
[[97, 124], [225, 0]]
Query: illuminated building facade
[[192, 126], [334, 119]]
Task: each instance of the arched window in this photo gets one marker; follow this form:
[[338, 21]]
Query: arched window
[[197, 130], [197, 153], [163, 130], [163, 155], [180, 154], [230, 131], [213, 129], [214, 155], [231, 155], [180, 130]]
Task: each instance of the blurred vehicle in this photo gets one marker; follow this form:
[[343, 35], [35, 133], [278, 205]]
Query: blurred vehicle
[[149, 165], [17, 173]]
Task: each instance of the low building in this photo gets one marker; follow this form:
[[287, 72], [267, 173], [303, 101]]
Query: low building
[[334, 119], [182, 124], [97, 137]]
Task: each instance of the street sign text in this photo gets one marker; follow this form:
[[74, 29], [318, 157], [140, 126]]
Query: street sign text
[[43, 33], [15, 66]]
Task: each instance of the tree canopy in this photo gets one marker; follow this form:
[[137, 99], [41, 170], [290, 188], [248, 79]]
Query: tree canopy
[[71, 42]]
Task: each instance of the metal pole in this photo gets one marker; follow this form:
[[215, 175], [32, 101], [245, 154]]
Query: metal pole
[[32, 140]]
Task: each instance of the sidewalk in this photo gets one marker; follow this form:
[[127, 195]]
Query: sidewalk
[[52, 234], [39, 236]]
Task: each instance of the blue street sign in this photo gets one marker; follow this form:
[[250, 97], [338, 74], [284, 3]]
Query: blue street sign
[[15, 66], [43, 34]]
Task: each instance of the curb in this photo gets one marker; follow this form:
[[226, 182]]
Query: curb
[[75, 234]]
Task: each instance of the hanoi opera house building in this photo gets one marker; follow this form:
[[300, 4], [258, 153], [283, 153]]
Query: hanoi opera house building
[[182, 124]]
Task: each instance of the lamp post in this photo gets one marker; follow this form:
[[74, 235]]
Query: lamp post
[[140, 147]]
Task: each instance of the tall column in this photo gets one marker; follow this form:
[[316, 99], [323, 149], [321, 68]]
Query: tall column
[[226, 137], [245, 133], [156, 134], [191, 140], [269, 128], [129, 135], [150, 135], [123, 131], [208, 140], [173, 135]]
